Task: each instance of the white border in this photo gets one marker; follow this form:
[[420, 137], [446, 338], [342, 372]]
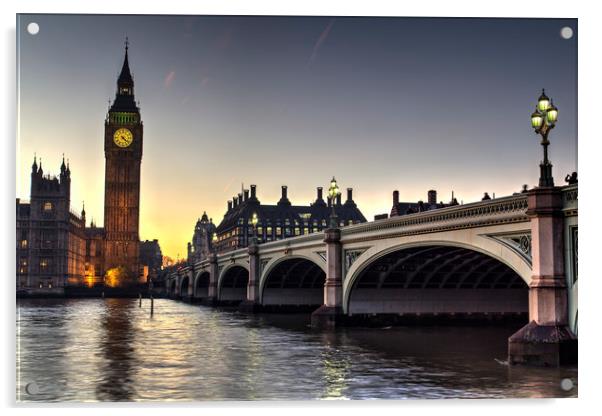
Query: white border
[[589, 35]]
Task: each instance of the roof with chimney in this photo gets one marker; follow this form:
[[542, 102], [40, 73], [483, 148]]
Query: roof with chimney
[[243, 206]]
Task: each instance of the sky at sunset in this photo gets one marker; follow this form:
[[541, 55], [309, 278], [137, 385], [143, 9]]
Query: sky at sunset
[[381, 103]]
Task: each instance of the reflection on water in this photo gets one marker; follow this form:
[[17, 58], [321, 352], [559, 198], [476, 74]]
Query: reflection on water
[[112, 350]]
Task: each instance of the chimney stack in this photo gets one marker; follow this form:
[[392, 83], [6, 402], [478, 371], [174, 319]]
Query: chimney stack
[[432, 197], [246, 195], [319, 193], [395, 197], [283, 198], [229, 205], [349, 194], [339, 199], [253, 191]]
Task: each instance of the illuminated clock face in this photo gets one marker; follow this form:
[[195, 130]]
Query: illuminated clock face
[[123, 137]]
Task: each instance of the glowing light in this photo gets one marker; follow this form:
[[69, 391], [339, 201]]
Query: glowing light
[[89, 280], [116, 276]]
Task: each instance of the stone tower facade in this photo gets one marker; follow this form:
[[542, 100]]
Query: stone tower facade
[[50, 237], [123, 156]]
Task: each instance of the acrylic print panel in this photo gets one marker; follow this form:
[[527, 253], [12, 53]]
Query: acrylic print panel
[[297, 208]]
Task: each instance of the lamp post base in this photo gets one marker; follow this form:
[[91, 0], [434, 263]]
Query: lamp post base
[[546, 180]]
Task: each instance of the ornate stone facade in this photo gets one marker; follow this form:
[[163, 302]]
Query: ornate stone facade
[[50, 237], [200, 247]]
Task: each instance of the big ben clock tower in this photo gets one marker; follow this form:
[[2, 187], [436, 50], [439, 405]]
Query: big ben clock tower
[[123, 155]]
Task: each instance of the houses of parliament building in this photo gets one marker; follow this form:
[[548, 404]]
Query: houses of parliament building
[[55, 248]]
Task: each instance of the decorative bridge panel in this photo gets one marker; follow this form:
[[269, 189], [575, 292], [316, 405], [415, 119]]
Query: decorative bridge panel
[[519, 243]]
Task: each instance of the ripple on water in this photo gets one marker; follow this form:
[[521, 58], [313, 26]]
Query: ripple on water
[[112, 350]]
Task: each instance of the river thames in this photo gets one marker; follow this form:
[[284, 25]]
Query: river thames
[[86, 350]]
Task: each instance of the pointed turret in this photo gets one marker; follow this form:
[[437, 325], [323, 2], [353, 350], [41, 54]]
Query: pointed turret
[[124, 98], [125, 77], [34, 166]]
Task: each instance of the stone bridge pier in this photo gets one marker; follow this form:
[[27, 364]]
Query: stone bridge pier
[[546, 339], [330, 314], [251, 303]]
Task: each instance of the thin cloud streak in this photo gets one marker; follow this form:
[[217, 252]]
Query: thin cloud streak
[[320, 41], [169, 79]]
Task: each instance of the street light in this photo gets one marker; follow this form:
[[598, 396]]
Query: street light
[[543, 120], [333, 192], [254, 221], [214, 241]]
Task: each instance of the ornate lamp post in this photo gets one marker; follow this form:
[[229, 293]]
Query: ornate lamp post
[[543, 120], [214, 242], [254, 221], [333, 192]]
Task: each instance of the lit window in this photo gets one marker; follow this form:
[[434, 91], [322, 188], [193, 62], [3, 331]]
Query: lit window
[[269, 230], [47, 206], [23, 243], [306, 230], [297, 231], [23, 268], [43, 265], [278, 231]]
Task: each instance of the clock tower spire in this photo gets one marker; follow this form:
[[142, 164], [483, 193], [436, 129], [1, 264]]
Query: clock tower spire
[[123, 156]]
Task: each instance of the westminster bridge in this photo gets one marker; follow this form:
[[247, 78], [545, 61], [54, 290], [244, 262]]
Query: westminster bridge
[[514, 256]]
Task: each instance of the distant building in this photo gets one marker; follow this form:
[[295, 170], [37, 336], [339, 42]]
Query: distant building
[[283, 220], [404, 208], [151, 257], [51, 240], [95, 255], [201, 245]]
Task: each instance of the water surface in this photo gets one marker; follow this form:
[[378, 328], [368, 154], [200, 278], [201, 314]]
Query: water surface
[[112, 350]]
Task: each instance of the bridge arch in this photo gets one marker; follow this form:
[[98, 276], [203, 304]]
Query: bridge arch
[[293, 280], [497, 277], [201, 284], [183, 286], [232, 283]]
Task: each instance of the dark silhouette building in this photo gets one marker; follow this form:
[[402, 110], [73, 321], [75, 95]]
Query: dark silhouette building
[[151, 257], [283, 220], [201, 245], [403, 208]]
